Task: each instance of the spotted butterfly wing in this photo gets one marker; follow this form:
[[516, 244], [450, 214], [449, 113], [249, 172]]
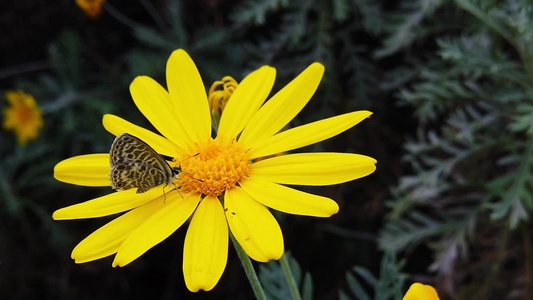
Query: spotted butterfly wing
[[134, 164]]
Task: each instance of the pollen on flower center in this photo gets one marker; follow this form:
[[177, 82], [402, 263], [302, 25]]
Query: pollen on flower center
[[213, 167]]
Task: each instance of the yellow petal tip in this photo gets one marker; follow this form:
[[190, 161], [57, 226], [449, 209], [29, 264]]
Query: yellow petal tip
[[419, 291], [59, 214], [179, 53], [318, 66]]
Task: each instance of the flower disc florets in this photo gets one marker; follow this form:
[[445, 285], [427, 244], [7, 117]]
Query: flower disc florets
[[214, 167]]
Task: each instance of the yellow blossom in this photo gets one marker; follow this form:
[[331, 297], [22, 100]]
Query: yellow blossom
[[419, 291], [23, 116], [223, 184], [92, 8]]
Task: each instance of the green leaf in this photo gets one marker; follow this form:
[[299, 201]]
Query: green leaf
[[341, 9], [255, 11], [513, 191], [356, 288], [65, 57], [523, 119], [152, 38], [275, 285], [389, 285], [405, 27]]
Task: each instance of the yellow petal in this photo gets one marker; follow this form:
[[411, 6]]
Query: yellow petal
[[154, 103], [87, 170], [419, 291], [116, 125], [245, 101], [307, 134], [205, 251], [175, 211], [107, 239], [187, 93], [288, 200], [313, 168], [110, 204], [254, 227], [279, 110]]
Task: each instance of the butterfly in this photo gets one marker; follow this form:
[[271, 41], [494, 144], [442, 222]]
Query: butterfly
[[134, 164]]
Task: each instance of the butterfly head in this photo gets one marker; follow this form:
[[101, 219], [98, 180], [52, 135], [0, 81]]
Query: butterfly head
[[176, 171]]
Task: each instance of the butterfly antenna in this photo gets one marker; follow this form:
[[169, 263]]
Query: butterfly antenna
[[179, 170], [179, 165]]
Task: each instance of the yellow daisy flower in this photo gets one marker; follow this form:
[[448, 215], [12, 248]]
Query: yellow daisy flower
[[92, 8], [23, 116], [221, 184], [419, 291]]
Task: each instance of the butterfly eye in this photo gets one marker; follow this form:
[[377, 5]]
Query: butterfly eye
[[176, 171]]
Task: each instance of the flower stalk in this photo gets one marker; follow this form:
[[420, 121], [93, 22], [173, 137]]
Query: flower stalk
[[293, 287], [249, 270]]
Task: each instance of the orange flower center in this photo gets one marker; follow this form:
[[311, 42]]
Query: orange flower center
[[24, 114], [213, 167]]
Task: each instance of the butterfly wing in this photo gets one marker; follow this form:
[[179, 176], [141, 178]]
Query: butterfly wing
[[135, 164], [127, 175]]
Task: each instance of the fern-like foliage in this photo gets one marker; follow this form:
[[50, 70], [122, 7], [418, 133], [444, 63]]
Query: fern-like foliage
[[389, 284], [472, 159], [404, 26], [512, 21], [514, 190]]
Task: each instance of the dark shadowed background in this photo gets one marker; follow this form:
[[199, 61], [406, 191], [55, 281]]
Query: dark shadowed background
[[450, 86]]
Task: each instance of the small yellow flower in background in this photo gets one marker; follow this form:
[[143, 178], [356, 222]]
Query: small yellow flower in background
[[419, 291], [223, 183], [23, 116], [92, 8]]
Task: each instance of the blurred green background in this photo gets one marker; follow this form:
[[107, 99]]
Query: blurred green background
[[450, 85]]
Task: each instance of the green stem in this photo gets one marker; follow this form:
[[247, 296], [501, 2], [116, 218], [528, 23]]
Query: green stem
[[154, 14], [119, 16], [249, 269], [293, 287]]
